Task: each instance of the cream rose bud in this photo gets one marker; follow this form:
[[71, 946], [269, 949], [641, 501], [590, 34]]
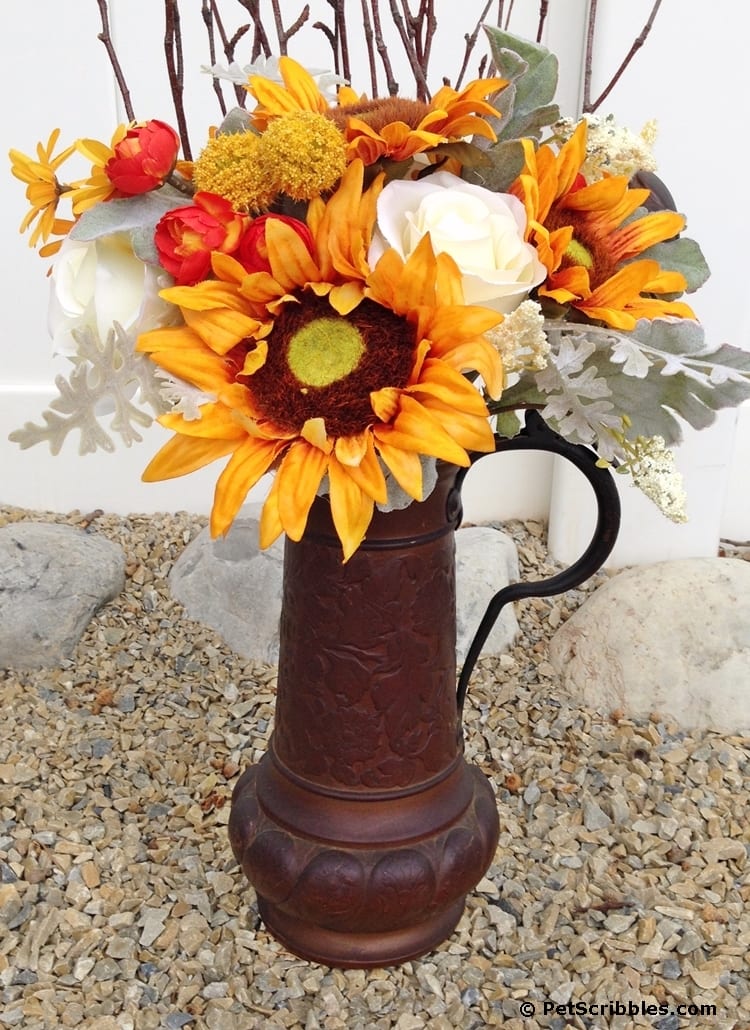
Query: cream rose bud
[[96, 284], [482, 231]]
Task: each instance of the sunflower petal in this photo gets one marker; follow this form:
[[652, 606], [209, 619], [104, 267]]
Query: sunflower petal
[[298, 479], [249, 462], [184, 454], [404, 466], [368, 474], [351, 507]]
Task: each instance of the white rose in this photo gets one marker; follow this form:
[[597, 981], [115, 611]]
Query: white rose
[[482, 231], [96, 284]]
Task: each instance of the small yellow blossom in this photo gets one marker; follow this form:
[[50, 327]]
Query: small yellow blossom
[[230, 165], [43, 191], [303, 154]]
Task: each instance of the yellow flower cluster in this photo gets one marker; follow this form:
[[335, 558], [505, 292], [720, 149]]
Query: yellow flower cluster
[[229, 165], [302, 155]]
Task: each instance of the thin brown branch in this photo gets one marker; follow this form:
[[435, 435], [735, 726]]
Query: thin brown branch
[[228, 47], [284, 35], [208, 20], [407, 40], [175, 69], [543, 8], [261, 44], [588, 106], [342, 38], [369, 42], [106, 38], [391, 83], [471, 42]]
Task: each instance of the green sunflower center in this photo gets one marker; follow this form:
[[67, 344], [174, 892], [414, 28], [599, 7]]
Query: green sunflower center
[[322, 365], [324, 351], [579, 255]]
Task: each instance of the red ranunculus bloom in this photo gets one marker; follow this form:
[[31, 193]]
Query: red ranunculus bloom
[[252, 252], [186, 236], [143, 158]]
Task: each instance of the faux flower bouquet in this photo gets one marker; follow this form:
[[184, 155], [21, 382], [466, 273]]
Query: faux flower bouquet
[[343, 291]]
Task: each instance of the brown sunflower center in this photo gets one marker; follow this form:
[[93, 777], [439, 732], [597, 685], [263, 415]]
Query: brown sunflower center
[[379, 113], [322, 365], [587, 247]]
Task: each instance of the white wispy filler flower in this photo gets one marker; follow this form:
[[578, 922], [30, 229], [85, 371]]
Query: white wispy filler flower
[[520, 339], [652, 467], [611, 148]]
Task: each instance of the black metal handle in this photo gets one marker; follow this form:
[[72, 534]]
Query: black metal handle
[[537, 436]]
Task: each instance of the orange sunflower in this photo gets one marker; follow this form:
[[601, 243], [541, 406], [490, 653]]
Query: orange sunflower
[[325, 367], [393, 127], [582, 235], [43, 191]]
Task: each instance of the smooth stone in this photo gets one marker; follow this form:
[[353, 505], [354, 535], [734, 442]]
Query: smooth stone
[[235, 588], [486, 561], [232, 586], [53, 578], [672, 638]]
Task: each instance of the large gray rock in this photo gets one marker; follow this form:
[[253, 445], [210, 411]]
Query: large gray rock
[[672, 638], [52, 580], [232, 586]]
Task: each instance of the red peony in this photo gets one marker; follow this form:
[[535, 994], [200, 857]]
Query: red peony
[[186, 236], [252, 252], [143, 158]]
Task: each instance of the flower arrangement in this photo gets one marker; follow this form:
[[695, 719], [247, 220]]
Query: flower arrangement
[[343, 289]]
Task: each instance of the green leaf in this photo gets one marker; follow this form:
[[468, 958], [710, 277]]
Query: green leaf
[[524, 105], [236, 120], [502, 165], [508, 424], [533, 71], [136, 216]]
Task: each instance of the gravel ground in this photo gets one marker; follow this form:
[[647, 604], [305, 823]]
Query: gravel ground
[[622, 879]]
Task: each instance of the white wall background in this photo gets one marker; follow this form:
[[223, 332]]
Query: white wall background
[[55, 74]]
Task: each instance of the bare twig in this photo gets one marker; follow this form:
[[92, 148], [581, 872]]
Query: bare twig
[[471, 41], [175, 69], [261, 44], [404, 29], [106, 38], [228, 47], [342, 38], [391, 83], [543, 7], [284, 35], [208, 21], [588, 106], [369, 42]]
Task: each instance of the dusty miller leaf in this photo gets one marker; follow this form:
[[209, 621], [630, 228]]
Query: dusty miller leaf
[[136, 216], [532, 70], [105, 378], [578, 399], [525, 107], [685, 378]]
